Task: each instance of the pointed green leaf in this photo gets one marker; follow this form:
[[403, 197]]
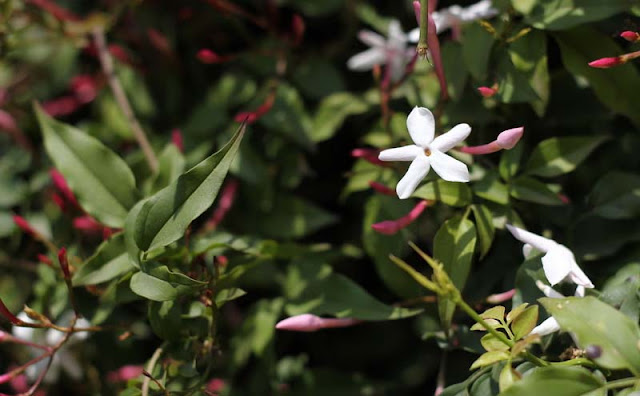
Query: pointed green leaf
[[102, 182], [596, 323], [490, 322], [496, 312], [560, 155], [490, 358], [616, 196], [516, 312], [171, 164], [485, 228], [166, 215], [508, 376], [152, 288], [563, 14], [525, 322], [450, 193], [491, 343], [529, 189], [453, 246], [109, 261]]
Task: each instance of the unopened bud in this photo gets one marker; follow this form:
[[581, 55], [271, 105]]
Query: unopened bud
[[297, 29], [390, 227], [64, 263], [488, 92], [176, 139], [605, 63], [593, 351], [630, 36], [501, 297], [509, 138], [382, 189], [309, 323], [24, 225], [4, 311]]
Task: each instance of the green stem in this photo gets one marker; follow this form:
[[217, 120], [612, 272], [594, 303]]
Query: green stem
[[575, 362], [621, 383], [423, 47]]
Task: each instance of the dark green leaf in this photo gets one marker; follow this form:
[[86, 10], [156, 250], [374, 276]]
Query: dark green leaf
[[102, 182], [560, 155], [485, 228], [564, 14], [524, 322], [529, 56], [152, 288], [555, 381], [332, 112], [476, 50], [596, 323], [510, 162], [165, 216], [616, 196], [450, 193], [171, 164], [453, 246], [165, 320], [529, 189], [109, 261], [455, 71]]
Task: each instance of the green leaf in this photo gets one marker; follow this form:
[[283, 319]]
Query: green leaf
[[453, 246], [529, 56], [596, 323], [332, 112], [511, 316], [476, 50], [152, 288], [489, 358], [227, 295], [616, 196], [623, 290], [102, 182], [560, 155], [455, 71], [555, 381], [508, 376], [318, 78], [513, 85], [484, 226], [450, 193], [165, 216], [171, 164], [617, 88], [491, 343], [524, 322], [529, 189], [492, 189], [164, 273], [510, 162], [109, 261], [314, 288], [165, 320], [288, 117], [564, 14], [496, 312], [493, 323]]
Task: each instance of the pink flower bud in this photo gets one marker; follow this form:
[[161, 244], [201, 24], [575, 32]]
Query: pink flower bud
[[227, 198], [252, 116], [605, 63], [125, 373], [4, 311], [501, 297], [216, 385], [64, 262], [390, 227], [159, 41], [62, 186], [630, 36], [509, 138], [487, 92], [24, 225], [45, 259], [382, 189], [297, 29], [176, 139], [84, 87], [416, 9], [369, 155], [61, 106], [309, 323]]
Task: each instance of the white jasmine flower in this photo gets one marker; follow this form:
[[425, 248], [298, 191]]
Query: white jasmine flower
[[428, 152], [550, 325], [63, 358], [455, 16], [558, 262], [391, 51]]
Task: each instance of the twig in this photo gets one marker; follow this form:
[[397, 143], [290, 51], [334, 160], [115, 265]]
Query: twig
[[442, 374], [106, 61], [149, 369], [155, 381]]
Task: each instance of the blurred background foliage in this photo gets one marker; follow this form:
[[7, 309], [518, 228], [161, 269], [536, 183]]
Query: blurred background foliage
[[303, 204]]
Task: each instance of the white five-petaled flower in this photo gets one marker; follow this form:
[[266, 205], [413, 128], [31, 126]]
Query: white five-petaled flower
[[455, 16], [63, 358], [428, 152], [558, 263], [392, 51], [551, 325]]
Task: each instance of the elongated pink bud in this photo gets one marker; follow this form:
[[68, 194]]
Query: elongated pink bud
[[227, 198], [630, 36], [309, 323], [252, 116], [509, 138], [87, 224], [390, 227], [297, 29], [61, 106], [369, 155], [216, 385], [45, 259], [382, 189], [85, 87], [62, 186], [125, 373], [501, 297], [176, 139], [4, 311], [605, 63], [487, 92], [64, 262], [24, 225], [416, 9]]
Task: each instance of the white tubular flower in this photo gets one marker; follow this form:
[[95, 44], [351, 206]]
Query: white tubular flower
[[63, 358], [550, 325], [455, 16], [558, 262], [428, 152], [392, 51]]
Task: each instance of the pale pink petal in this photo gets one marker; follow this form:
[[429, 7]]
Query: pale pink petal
[[454, 137], [404, 153], [416, 172], [448, 168], [541, 243], [309, 323], [367, 60], [371, 39], [421, 126]]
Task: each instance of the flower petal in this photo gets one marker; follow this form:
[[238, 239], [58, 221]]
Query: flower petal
[[367, 59], [448, 168], [578, 277], [541, 243], [481, 10], [547, 327], [449, 140], [416, 172], [421, 126], [404, 153], [372, 39], [548, 290], [414, 35], [557, 264], [395, 33]]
